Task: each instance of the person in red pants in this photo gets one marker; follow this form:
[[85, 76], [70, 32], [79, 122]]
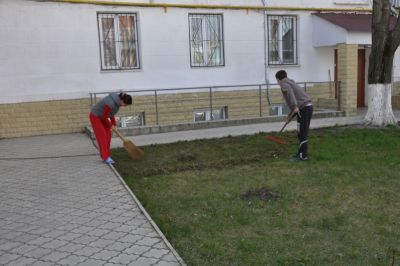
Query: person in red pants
[[102, 118]]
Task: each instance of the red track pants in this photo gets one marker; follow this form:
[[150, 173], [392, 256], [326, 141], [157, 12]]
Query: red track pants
[[103, 136]]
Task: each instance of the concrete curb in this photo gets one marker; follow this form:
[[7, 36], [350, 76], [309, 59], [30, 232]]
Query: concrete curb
[[147, 130]]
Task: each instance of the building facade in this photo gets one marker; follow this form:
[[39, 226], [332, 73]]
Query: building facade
[[54, 53]]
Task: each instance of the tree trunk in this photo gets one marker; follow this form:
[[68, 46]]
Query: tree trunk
[[384, 44], [380, 111]]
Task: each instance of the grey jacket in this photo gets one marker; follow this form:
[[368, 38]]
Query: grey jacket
[[293, 94], [112, 101]]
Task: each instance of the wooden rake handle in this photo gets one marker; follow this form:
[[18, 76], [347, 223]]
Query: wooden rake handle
[[292, 115]]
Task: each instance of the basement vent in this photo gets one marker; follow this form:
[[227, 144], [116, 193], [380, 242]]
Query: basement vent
[[352, 2], [131, 120], [279, 109]]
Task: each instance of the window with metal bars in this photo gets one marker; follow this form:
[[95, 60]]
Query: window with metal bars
[[395, 3], [208, 115], [282, 40], [119, 48], [206, 40]]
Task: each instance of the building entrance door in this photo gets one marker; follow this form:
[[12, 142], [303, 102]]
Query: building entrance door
[[361, 78]]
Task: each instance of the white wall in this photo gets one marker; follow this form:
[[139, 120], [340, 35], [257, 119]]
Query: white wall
[[296, 3], [51, 50], [313, 63], [326, 33], [322, 4]]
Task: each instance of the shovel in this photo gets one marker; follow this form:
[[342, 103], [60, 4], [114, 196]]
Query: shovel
[[133, 151], [278, 139]]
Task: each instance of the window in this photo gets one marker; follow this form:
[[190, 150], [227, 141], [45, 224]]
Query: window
[[282, 40], [279, 109], [207, 115], [118, 41], [206, 40], [131, 120]]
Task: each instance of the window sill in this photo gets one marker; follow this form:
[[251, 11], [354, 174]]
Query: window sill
[[120, 71], [284, 66]]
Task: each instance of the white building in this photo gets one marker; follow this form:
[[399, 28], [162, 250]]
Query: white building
[[62, 50]]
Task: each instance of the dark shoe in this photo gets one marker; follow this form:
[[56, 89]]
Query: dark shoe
[[297, 158]]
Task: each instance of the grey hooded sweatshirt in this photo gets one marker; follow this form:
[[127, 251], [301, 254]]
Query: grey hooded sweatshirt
[[107, 107], [294, 95]]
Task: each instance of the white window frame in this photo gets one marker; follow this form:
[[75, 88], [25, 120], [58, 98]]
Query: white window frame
[[117, 41], [205, 44], [280, 49]]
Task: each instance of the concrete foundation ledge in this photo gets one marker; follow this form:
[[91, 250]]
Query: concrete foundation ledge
[[145, 130]]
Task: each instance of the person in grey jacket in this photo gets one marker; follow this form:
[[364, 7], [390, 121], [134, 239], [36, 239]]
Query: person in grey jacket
[[102, 118], [300, 104]]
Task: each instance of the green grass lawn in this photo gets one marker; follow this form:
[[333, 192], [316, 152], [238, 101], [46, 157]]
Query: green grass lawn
[[342, 207]]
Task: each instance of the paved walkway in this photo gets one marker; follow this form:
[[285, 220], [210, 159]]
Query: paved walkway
[[60, 205]]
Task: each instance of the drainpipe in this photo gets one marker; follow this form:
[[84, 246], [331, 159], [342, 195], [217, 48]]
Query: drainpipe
[[265, 51]]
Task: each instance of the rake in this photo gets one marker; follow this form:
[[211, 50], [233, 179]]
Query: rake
[[133, 151], [278, 139]]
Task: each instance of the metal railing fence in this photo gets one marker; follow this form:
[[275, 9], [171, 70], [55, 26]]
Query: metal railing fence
[[195, 104]]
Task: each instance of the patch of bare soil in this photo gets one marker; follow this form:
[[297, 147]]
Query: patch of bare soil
[[261, 193]]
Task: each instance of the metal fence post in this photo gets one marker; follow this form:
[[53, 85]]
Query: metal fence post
[[211, 107], [305, 86], [156, 105], [338, 95], [259, 99]]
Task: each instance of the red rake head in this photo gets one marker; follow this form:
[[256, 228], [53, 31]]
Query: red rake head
[[276, 139]]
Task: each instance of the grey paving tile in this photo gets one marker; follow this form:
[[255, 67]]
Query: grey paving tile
[[67, 208], [118, 246], [55, 256], [42, 263], [38, 253], [131, 238], [22, 261], [148, 241], [87, 251], [124, 258], [92, 262], [7, 257], [156, 253], [105, 255], [72, 260], [137, 250], [23, 249], [10, 245], [54, 244], [84, 239], [70, 247], [114, 235], [166, 263], [101, 243], [169, 258], [143, 262]]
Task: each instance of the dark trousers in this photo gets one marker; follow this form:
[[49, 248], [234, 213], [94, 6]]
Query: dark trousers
[[303, 124]]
